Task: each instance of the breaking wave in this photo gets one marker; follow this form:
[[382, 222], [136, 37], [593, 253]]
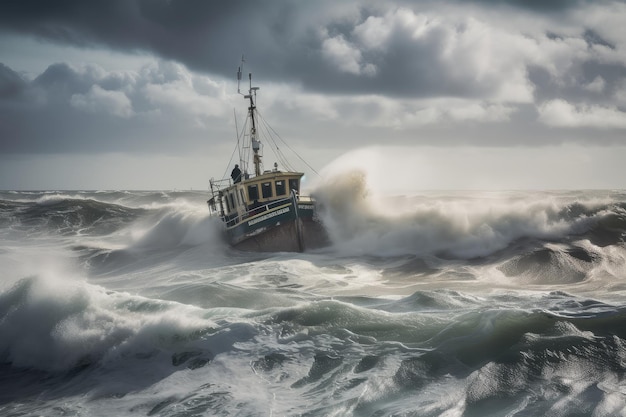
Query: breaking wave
[[457, 304], [57, 324], [469, 225]]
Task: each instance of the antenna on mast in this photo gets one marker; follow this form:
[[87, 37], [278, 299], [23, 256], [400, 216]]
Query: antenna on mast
[[254, 140], [239, 70]]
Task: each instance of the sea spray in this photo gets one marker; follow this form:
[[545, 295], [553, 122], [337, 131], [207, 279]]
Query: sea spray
[[174, 228], [427, 303], [464, 227], [55, 324]]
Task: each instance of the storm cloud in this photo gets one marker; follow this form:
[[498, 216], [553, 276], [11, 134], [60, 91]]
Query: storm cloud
[[339, 74], [420, 48], [88, 109]]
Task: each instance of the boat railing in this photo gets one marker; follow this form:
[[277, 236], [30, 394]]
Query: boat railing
[[306, 199], [219, 185], [259, 209]]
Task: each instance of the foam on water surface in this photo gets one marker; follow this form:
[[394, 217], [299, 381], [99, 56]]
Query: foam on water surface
[[434, 304]]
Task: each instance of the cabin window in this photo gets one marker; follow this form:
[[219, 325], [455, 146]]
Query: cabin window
[[232, 200], [227, 205], [266, 189], [243, 198], [280, 188], [294, 184], [253, 192]]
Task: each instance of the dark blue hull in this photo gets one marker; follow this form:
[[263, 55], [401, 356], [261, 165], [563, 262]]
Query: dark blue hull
[[289, 227]]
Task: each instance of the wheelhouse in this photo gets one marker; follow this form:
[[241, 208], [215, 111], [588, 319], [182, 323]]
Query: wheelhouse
[[254, 196]]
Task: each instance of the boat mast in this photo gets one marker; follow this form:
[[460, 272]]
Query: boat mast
[[256, 144]]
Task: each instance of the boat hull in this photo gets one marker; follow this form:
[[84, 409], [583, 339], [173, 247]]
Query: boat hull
[[292, 227]]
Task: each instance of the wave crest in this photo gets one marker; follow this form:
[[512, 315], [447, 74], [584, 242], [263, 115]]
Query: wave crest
[[56, 325], [462, 225]]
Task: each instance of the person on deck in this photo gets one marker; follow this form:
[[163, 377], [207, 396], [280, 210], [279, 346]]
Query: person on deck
[[236, 174]]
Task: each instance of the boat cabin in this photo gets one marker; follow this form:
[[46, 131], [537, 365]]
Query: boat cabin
[[255, 195]]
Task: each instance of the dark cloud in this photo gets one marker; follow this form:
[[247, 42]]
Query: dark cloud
[[283, 40], [11, 83], [477, 79], [594, 38], [591, 80], [89, 110], [536, 5], [210, 36], [191, 31]]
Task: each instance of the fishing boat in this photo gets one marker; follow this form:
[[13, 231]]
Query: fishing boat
[[263, 210]]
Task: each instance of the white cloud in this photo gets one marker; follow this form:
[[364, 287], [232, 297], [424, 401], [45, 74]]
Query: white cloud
[[345, 56], [382, 112], [423, 113], [374, 32], [316, 105], [99, 100], [620, 94], [127, 109], [183, 99], [466, 50], [377, 32], [489, 51], [606, 19], [596, 86], [161, 88], [560, 113], [481, 112], [489, 56]]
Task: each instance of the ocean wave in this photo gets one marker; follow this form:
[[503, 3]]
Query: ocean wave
[[441, 303], [67, 216], [430, 353], [472, 356], [175, 228], [54, 324], [153, 219], [145, 244], [463, 226]]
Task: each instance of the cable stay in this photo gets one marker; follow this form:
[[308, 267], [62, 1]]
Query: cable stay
[[285, 143]]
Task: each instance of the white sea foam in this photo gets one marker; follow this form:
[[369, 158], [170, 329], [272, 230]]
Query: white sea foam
[[156, 315], [54, 323], [463, 225], [174, 228]]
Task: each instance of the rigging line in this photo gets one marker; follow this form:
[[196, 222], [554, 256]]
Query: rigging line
[[230, 161], [271, 141], [237, 131], [289, 147], [277, 151], [245, 149], [235, 149]]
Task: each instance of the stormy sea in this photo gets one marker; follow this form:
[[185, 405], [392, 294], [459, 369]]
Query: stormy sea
[[129, 303]]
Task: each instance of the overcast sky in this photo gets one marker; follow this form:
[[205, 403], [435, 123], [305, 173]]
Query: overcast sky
[[139, 94]]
